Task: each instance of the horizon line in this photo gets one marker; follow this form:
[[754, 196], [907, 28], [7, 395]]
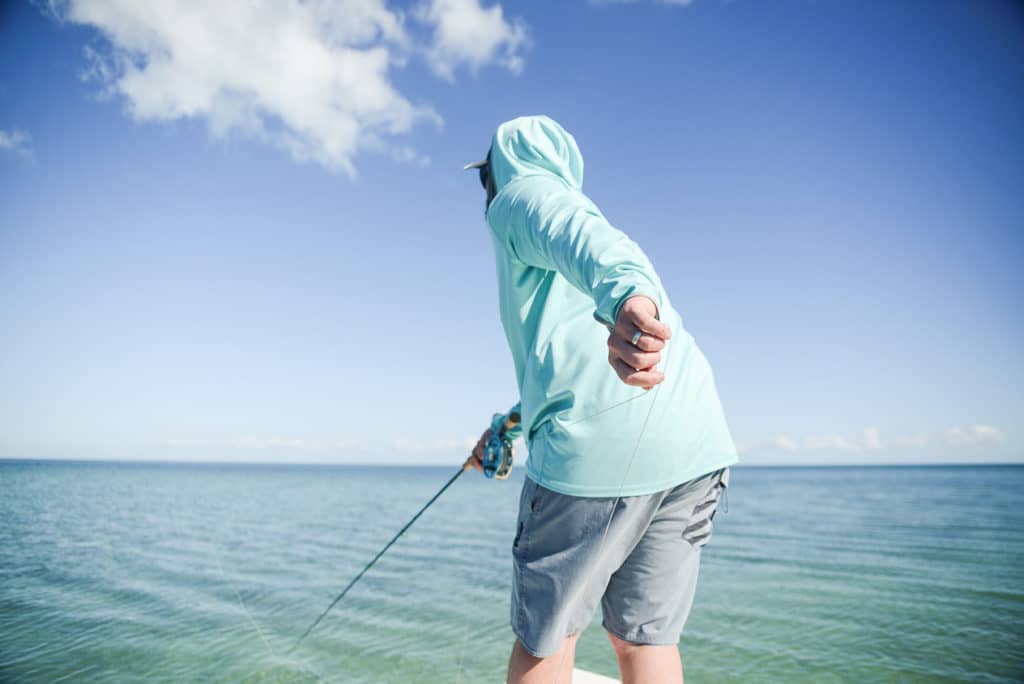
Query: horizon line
[[407, 464]]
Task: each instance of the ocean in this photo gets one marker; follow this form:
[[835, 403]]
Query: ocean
[[129, 572]]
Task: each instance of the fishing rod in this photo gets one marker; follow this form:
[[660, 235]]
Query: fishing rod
[[496, 462]]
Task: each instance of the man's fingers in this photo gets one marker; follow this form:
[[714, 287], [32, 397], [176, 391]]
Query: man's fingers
[[651, 325], [646, 342], [477, 459], [654, 331], [646, 378], [634, 355]]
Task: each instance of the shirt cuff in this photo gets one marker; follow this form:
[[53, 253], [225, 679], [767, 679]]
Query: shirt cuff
[[516, 431], [607, 311]]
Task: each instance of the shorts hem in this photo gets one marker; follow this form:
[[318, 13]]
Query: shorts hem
[[536, 653], [639, 640]]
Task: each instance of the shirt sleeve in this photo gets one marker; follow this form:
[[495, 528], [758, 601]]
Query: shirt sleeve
[[546, 224]]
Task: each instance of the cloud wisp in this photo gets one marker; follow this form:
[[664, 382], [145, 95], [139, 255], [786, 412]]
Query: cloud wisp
[[974, 435], [871, 440], [466, 33], [312, 78], [441, 449], [260, 444], [16, 142], [670, 3]]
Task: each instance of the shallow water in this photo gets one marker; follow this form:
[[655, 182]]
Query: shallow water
[[176, 573]]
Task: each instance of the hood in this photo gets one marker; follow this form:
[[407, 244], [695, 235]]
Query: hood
[[535, 145]]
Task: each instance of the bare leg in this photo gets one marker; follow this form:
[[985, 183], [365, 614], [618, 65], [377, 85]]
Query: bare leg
[[524, 668], [644, 664]]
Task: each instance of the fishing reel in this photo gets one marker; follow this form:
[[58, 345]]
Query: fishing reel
[[497, 456]]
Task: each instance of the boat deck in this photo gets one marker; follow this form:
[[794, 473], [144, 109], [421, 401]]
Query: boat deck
[[584, 677]]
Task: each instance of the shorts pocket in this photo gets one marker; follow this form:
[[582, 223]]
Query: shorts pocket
[[699, 527], [529, 500]]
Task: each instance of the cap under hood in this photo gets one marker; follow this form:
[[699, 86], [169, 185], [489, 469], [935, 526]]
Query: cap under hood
[[535, 145]]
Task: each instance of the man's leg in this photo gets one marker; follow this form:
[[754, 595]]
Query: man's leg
[[649, 597], [645, 664], [524, 668]]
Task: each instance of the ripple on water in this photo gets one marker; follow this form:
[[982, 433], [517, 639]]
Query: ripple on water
[[199, 573]]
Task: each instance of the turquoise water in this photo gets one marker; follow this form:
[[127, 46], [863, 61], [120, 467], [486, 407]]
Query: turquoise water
[[202, 573]]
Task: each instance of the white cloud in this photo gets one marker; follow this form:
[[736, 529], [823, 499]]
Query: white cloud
[[309, 77], [785, 443], [407, 155], [259, 444], [871, 440], [780, 442], [917, 441], [467, 33], [277, 443], [16, 142], [672, 3], [976, 434], [461, 443], [830, 442], [809, 443]]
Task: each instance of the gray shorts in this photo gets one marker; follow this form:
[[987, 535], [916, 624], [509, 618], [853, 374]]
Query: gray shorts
[[644, 574]]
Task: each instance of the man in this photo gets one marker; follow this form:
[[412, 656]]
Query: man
[[621, 482]]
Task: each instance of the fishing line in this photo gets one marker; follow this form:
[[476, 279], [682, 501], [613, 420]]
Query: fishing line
[[380, 553], [496, 627], [606, 409], [462, 654], [245, 608], [456, 476], [618, 496], [234, 589]]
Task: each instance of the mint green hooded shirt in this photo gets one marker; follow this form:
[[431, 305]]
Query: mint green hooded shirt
[[563, 270]]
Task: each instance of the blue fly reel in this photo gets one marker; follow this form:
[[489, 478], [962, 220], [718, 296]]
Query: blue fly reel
[[497, 456]]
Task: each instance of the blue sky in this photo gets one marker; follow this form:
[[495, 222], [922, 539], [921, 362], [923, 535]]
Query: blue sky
[[247, 236]]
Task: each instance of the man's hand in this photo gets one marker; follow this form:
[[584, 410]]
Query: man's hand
[[634, 363], [476, 460]]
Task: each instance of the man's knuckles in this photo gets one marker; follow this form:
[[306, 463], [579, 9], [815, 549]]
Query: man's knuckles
[[644, 354], [641, 360], [648, 343], [645, 378], [624, 343]]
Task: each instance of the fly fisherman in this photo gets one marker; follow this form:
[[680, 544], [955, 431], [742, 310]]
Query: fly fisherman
[[622, 480]]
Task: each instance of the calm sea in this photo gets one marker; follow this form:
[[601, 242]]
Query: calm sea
[[204, 573]]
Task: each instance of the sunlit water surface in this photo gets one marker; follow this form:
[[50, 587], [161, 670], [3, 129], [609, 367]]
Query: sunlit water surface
[[202, 573]]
